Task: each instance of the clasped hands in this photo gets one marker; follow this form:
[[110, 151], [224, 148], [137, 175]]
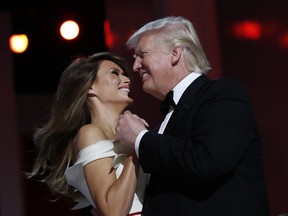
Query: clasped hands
[[128, 128]]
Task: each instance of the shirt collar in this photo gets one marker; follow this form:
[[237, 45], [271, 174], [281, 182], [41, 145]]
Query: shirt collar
[[183, 84]]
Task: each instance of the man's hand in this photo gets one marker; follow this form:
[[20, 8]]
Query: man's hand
[[95, 212], [129, 126]]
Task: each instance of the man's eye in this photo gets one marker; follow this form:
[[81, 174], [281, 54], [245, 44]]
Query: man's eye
[[140, 55], [143, 54]]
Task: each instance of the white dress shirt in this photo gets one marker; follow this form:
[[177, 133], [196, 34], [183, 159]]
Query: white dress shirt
[[178, 90]]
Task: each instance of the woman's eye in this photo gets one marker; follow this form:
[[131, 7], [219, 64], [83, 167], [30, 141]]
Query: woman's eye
[[115, 72]]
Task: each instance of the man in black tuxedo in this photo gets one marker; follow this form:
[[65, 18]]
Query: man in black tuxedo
[[205, 158]]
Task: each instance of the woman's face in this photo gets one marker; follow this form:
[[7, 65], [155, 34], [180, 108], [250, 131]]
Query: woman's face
[[111, 84]]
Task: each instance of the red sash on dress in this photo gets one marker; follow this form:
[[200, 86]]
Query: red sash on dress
[[135, 213]]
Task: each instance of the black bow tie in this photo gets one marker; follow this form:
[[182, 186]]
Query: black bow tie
[[165, 105]]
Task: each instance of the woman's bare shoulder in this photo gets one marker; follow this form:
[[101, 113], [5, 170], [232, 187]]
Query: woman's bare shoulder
[[87, 135]]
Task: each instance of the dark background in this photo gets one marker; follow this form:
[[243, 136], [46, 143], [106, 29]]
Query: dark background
[[260, 64]]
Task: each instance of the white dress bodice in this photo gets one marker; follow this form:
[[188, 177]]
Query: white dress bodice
[[105, 148]]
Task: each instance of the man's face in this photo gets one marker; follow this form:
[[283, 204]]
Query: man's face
[[153, 66]]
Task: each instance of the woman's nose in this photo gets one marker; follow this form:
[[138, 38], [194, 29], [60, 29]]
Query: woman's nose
[[126, 79]]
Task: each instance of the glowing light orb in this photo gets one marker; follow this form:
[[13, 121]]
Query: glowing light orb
[[18, 43], [69, 30]]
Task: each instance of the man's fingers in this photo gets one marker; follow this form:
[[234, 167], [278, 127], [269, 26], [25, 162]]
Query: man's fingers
[[137, 117], [127, 112]]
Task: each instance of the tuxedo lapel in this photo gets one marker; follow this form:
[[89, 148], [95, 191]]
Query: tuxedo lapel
[[186, 101]]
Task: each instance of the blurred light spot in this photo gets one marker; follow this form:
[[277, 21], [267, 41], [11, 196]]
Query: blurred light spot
[[283, 41], [109, 40], [250, 30], [69, 30], [18, 43]]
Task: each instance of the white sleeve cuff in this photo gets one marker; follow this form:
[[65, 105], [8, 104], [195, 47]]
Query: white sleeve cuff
[[137, 141]]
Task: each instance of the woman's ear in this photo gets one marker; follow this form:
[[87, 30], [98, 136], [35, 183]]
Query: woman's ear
[[91, 93], [176, 55]]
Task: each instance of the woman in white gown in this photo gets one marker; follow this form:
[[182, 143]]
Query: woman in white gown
[[78, 152]]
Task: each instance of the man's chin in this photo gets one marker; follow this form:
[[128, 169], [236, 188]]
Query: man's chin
[[150, 92], [146, 88]]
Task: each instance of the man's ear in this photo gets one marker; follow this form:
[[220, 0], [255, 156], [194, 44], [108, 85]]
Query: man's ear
[[176, 55]]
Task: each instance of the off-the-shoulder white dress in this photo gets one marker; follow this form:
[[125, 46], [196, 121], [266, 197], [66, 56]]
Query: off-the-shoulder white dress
[[105, 148]]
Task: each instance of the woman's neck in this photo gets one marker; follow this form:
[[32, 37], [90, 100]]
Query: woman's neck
[[107, 121]]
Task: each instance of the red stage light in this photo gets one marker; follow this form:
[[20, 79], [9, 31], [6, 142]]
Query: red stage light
[[109, 40], [250, 30], [283, 40]]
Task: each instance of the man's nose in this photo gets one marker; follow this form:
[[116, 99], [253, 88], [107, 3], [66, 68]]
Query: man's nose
[[137, 64]]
